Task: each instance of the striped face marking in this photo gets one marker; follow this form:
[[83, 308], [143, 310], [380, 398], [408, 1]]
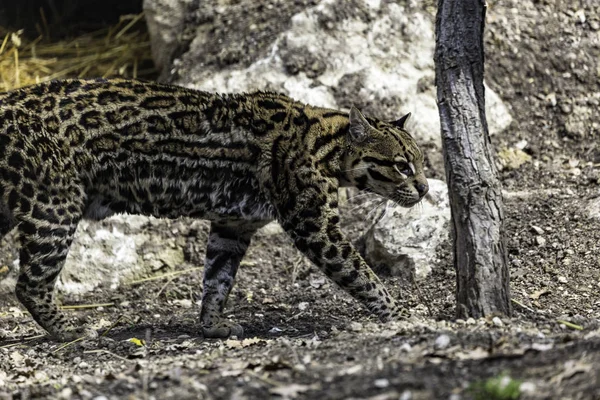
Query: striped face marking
[[386, 160]]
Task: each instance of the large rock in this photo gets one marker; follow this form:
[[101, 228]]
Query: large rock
[[377, 55], [121, 249], [404, 242], [118, 250]]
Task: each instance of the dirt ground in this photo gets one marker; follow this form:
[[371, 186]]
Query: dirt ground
[[307, 339]]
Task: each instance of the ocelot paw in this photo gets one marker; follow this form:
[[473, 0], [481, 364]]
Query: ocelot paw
[[222, 330], [396, 315]]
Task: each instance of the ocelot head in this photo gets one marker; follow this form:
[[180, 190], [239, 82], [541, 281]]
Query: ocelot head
[[383, 158]]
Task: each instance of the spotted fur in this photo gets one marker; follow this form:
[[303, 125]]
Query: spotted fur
[[77, 149]]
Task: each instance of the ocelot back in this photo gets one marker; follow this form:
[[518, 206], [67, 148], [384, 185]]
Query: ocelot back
[[78, 149]]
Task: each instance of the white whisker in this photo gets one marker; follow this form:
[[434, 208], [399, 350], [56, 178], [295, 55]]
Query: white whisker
[[368, 217], [362, 194], [384, 213]]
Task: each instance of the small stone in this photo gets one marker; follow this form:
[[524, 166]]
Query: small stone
[[565, 108], [66, 393], [540, 240], [497, 321], [527, 388], [356, 326], [381, 383], [441, 342], [537, 230], [406, 395], [405, 348], [470, 321], [562, 279], [303, 306]]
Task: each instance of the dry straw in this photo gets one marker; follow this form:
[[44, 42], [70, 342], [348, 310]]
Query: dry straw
[[120, 50]]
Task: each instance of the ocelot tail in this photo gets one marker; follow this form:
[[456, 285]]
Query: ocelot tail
[[77, 149]]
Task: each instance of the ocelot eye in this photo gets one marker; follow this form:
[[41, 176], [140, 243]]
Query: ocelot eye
[[403, 168]]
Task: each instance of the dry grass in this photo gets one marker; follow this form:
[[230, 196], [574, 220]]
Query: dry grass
[[120, 50]]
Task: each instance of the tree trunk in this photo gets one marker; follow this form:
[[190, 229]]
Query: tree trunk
[[474, 189]]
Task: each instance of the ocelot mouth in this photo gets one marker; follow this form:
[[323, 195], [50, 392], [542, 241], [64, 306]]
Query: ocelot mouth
[[406, 202]]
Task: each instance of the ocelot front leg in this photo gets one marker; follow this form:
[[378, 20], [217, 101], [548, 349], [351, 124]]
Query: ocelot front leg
[[311, 218], [227, 244]]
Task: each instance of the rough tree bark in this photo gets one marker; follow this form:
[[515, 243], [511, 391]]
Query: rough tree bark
[[474, 188]]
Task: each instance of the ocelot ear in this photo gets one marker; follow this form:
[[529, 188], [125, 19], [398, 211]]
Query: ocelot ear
[[359, 126], [400, 123]]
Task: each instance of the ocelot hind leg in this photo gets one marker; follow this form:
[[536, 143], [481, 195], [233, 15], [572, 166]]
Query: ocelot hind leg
[[46, 234], [227, 244]]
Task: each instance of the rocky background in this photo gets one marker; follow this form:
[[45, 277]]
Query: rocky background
[[141, 277]]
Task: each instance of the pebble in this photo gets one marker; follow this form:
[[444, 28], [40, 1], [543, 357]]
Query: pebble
[[470, 321], [441, 342], [540, 240], [356, 326], [497, 321], [382, 383], [562, 279], [527, 388], [536, 229], [406, 395], [405, 348], [66, 393]]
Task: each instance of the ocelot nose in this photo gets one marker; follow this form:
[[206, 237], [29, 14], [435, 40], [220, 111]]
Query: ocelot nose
[[422, 188]]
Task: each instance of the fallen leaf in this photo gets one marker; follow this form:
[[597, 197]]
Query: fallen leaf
[[239, 344], [352, 370], [536, 295], [476, 354], [290, 391], [513, 158], [138, 342]]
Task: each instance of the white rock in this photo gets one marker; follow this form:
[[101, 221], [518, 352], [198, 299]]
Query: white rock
[[497, 321], [356, 326], [591, 208], [272, 228], [527, 388], [382, 56], [407, 238], [406, 395], [405, 348], [112, 252], [442, 342], [381, 383]]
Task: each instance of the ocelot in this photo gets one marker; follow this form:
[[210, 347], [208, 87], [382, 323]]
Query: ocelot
[[75, 149]]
